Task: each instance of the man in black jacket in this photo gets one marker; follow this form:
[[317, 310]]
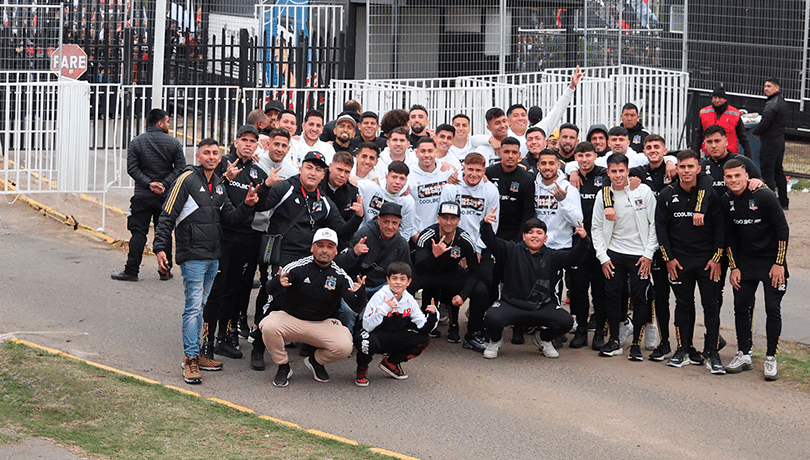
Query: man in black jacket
[[194, 208], [771, 130], [154, 160], [315, 285]]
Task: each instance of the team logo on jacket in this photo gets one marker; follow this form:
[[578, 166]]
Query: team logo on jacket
[[430, 190], [253, 174], [515, 187], [637, 139], [220, 190], [752, 205], [639, 203], [330, 284], [376, 202], [470, 202], [317, 206], [455, 252], [598, 181]]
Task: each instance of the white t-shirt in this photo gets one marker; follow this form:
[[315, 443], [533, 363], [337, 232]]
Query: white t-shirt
[[299, 148], [375, 195], [426, 190], [475, 203]]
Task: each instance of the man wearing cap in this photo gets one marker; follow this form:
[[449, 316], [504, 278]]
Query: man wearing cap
[[439, 250], [299, 209], [345, 128], [314, 286], [727, 116], [311, 130], [351, 107], [154, 160], [271, 110], [239, 174]]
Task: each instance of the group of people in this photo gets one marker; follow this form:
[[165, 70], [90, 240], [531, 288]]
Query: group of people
[[350, 222]]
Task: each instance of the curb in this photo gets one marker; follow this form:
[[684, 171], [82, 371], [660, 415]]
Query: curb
[[212, 399]]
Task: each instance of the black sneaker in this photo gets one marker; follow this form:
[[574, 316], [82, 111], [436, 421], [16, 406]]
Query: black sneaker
[[165, 276], [452, 334], [124, 276], [635, 353], [721, 343], [474, 342], [679, 359], [242, 327], [612, 348], [435, 334], [714, 364], [257, 359], [283, 375], [661, 352], [591, 324], [225, 348], [580, 338], [695, 357], [318, 371], [598, 340], [517, 335]]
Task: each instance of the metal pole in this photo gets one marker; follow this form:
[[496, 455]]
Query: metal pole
[[621, 20], [502, 57], [160, 49], [685, 53], [585, 36], [368, 38], [804, 54]]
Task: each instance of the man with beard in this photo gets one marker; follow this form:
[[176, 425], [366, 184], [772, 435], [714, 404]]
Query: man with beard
[[272, 110], [399, 149], [418, 122], [569, 138], [345, 128], [727, 116]]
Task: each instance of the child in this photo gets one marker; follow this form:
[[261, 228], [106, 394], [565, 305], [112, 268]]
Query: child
[[393, 324]]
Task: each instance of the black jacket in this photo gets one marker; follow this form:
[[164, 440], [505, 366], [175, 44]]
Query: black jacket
[[714, 169], [315, 291], [678, 237], [517, 199], [774, 119], [343, 197], [462, 247], [756, 230], [193, 210], [528, 277], [374, 263], [637, 135], [286, 202], [154, 156], [237, 189]]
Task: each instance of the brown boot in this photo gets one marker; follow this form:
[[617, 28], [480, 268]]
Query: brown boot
[[361, 376], [191, 370], [209, 364]]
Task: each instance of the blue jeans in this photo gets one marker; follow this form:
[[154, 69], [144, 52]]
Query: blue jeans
[[347, 316], [198, 277]]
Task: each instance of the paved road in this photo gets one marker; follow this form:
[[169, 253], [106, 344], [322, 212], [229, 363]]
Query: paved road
[[55, 290]]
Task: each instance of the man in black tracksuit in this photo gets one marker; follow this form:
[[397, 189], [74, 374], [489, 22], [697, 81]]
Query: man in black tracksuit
[[340, 191], [692, 255], [771, 130], [439, 250], [528, 293], [298, 209], [194, 208], [756, 239], [239, 173], [714, 138], [154, 160]]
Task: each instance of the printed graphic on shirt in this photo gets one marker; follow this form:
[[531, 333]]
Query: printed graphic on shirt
[[330, 284], [598, 181], [253, 174], [545, 205], [638, 203], [376, 203], [752, 205], [470, 204], [430, 190], [515, 187]]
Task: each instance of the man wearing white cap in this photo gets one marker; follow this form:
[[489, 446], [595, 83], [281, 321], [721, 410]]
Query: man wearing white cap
[[315, 285]]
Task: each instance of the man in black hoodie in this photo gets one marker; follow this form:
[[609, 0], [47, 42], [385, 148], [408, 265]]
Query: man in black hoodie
[[598, 136], [635, 132], [771, 130]]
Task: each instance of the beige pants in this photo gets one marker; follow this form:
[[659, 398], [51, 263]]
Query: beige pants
[[331, 338]]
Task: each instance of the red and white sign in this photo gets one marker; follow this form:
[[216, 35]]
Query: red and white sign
[[74, 61]]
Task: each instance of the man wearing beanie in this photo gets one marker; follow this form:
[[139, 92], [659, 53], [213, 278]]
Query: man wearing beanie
[[721, 113]]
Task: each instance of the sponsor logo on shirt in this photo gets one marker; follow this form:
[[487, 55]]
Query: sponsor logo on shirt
[[470, 202], [430, 190], [747, 221], [545, 205]]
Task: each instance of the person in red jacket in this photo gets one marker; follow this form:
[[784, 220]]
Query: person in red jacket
[[729, 117]]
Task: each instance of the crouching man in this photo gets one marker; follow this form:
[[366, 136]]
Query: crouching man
[[528, 296], [393, 324], [315, 285]]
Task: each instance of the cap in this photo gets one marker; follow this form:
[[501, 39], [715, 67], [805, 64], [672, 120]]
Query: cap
[[391, 208], [535, 114], [325, 234], [244, 129], [346, 117], [719, 92], [273, 105], [554, 135], [315, 157], [449, 208]]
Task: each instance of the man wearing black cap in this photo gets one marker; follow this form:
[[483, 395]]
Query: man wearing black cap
[[723, 114], [351, 107], [535, 115], [439, 250], [299, 209], [271, 110]]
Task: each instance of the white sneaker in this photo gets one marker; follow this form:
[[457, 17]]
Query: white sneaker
[[574, 327], [652, 336], [770, 368], [740, 362], [491, 352], [546, 347], [626, 333]]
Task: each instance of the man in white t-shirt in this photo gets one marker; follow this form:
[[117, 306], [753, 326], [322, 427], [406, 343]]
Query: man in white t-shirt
[[426, 181], [461, 142], [310, 141]]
